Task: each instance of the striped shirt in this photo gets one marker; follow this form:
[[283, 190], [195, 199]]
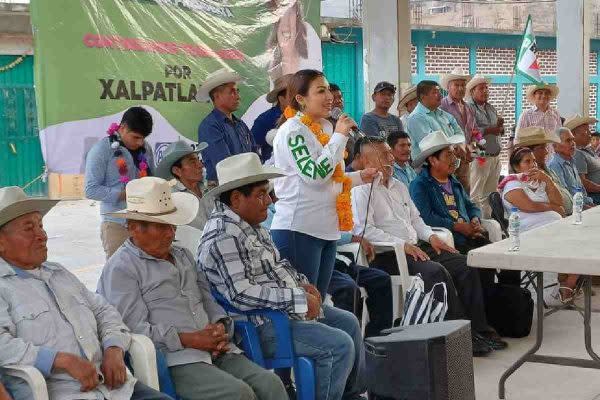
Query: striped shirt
[[549, 119], [243, 264]]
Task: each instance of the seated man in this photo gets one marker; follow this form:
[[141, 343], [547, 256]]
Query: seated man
[[379, 122], [243, 264], [562, 163], [392, 217], [400, 146], [586, 160], [49, 320], [156, 288]]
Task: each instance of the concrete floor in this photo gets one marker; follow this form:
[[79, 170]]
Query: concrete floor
[[73, 230]]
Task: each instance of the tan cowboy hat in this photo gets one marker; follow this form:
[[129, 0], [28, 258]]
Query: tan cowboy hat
[[242, 169], [534, 135], [14, 203], [407, 95], [456, 74], [477, 79], [173, 153], [553, 89], [280, 85], [216, 79], [576, 120], [150, 199], [434, 142]]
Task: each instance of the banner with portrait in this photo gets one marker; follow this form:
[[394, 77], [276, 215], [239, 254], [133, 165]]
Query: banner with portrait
[[96, 58]]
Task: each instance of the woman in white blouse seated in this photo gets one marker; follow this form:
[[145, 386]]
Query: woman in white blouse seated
[[538, 200]]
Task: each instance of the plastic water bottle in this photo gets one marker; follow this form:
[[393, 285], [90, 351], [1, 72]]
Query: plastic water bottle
[[514, 226], [578, 206]]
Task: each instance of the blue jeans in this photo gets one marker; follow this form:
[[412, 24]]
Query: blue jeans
[[335, 345], [311, 256]]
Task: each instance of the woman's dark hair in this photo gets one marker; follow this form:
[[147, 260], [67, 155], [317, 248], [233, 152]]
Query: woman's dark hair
[[517, 156], [225, 197], [334, 88], [299, 84], [138, 120], [424, 87], [300, 44], [393, 138]]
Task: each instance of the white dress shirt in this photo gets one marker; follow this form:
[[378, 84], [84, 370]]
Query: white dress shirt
[[392, 215]]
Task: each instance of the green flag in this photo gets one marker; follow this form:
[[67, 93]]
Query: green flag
[[527, 64]]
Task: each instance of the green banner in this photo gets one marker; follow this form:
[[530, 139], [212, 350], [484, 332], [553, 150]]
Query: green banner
[[96, 58]]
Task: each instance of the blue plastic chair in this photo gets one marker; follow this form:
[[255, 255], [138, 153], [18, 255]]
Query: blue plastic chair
[[284, 357]]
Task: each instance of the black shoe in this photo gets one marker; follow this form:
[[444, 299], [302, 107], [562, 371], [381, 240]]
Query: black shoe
[[493, 340], [290, 389], [480, 348]]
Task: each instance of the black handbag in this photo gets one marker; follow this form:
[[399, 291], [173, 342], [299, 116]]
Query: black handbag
[[509, 310]]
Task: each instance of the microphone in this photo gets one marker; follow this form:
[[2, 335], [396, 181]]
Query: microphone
[[336, 113]]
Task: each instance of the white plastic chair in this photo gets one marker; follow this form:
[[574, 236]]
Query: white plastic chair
[[143, 360]]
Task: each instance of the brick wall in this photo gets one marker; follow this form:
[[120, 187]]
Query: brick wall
[[413, 59], [495, 61], [593, 63], [498, 94], [547, 61], [443, 59]]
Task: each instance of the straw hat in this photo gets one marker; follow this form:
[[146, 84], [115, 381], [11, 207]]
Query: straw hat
[[14, 203], [534, 135], [242, 169], [173, 153], [576, 120], [456, 74], [433, 142], [553, 89], [280, 85], [477, 79], [216, 79], [407, 95], [150, 199]]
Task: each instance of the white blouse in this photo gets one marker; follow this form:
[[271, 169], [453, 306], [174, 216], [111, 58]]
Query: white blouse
[[307, 194], [530, 220]]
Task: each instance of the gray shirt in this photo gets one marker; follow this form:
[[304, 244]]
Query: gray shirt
[[48, 310], [374, 125], [486, 116], [160, 299], [588, 163]]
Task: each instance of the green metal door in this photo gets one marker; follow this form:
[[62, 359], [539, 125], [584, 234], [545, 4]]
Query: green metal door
[[342, 67], [20, 153]]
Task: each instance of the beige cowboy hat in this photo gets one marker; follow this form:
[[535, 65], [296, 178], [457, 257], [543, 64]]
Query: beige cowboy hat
[[150, 199], [534, 135], [477, 79], [456, 74], [553, 89], [407, 95], [576, 120], [280, 85], [434, 142], [242, 169], [14, 203], [216, 79], [173, 153]]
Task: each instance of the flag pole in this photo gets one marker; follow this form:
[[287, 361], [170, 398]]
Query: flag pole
[[510, 82]]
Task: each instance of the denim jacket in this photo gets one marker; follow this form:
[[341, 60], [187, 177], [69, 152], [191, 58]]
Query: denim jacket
[[428, 198]]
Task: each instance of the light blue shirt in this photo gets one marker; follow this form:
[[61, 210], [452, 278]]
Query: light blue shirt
[[567, 173], [404, 174], [423, 121], [102, 178]]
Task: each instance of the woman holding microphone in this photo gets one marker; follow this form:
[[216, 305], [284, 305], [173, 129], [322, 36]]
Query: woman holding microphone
[[314, 198]]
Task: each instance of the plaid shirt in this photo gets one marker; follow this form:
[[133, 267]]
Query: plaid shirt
[[549, 119], [243, 264]]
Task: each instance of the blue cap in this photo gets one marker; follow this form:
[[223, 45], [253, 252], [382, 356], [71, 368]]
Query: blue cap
[[514, 209]]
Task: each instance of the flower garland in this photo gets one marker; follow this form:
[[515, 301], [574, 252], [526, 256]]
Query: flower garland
[[343, 203], [478, 142], [12, 64], [115, 143]]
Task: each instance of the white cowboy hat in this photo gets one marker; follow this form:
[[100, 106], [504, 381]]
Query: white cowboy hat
[[576, 120], [150, 199], [553, 89], [456, 74], [216, 79], [407, 95], [242, 169], [174, 152], [433, 142], [270, 137], [14, 203], [477, 79], [534, 135]]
